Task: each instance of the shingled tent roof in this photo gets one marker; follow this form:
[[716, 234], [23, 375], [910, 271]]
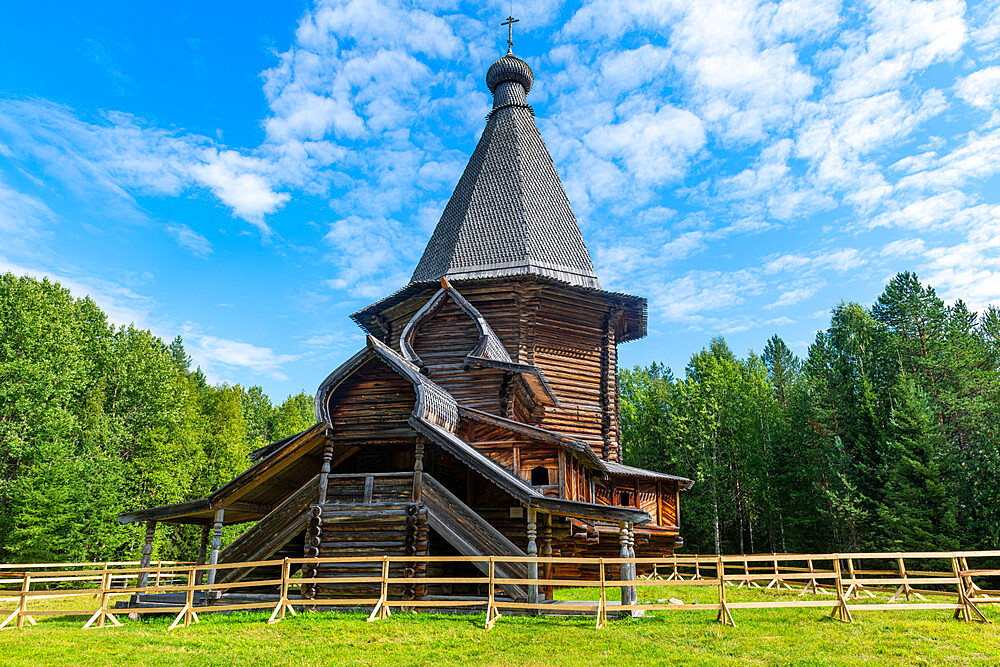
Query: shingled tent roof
[[509, 214]]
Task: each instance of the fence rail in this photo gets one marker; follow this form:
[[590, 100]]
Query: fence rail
[[909, 585]]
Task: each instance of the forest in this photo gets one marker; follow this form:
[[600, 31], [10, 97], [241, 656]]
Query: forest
[[97, 419], [883, 437]]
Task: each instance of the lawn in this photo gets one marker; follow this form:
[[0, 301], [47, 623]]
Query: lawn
[[766, 636]]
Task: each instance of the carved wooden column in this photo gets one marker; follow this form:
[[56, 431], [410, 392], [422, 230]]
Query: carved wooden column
[[624, 570], [314, 533], [213, 557], [147, 557], [532, 551], [324, 472], [633, 568], [547, 552], [202, 553], [421, 550], [608, 383], [418, 470], [416, 526]]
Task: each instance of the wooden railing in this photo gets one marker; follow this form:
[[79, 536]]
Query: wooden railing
[[844, 578]]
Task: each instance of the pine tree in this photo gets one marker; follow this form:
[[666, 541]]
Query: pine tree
[[918, 513], [783, 367]]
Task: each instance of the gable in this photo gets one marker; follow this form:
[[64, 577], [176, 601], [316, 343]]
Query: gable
[[372, 398]]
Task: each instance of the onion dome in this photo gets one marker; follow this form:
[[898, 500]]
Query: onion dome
[[509, 79]]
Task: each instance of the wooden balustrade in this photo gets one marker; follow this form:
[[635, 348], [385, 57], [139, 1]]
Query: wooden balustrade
[[816, 574]]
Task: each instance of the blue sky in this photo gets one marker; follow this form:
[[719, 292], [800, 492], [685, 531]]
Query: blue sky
[[246, 175]]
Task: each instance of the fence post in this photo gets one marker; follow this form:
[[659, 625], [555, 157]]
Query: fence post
[[188, 613], [724, 616], [673, 572], [841, 612], [970, 586], [102, 612], [279, 612], [381, 609], [968, 607], [812, 580], [491, 611], [602, 606], [21, 613]]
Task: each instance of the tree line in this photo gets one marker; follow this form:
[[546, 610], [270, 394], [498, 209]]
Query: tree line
[[885, 437], [97, 419]]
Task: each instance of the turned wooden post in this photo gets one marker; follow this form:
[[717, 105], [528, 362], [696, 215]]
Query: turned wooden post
[[324, 472], [532, 551], [418, 470], [633, 568], [213, 557], [202, 553], [147, 557], [623, 569], [547, 552]]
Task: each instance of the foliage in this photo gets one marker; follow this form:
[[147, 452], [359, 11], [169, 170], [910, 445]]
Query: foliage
[[883, 437], [97, 419]]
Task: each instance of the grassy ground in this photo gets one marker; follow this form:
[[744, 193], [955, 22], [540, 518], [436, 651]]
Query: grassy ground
[[768, 636]]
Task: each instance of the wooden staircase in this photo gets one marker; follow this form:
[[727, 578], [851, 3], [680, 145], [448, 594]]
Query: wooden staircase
[[269, 535], [470, 534]]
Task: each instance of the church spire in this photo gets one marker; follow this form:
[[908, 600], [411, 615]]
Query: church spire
[[509, 214]]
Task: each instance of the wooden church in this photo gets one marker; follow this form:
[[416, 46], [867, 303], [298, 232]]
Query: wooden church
[[481, 416]]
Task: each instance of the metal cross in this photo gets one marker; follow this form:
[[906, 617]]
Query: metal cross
[[510, 32]]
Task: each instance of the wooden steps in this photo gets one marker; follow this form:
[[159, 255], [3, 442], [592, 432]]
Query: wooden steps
[[470, 534], [269, 535]]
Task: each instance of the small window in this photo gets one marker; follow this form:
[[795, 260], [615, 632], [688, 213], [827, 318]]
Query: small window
[[539, 476], [626, 497]]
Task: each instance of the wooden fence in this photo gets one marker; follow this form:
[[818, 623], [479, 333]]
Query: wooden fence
[[843, 578]]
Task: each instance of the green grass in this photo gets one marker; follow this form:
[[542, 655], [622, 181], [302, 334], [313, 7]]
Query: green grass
[[769, 636]]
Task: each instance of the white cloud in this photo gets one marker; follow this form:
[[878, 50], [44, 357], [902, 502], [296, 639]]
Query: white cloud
[[981, 89], [794, 296], [111, 162], [978, 157], [217, 355], [369, 255], [653, 146], [905, 37], [190, 239], [22, 216], [688, 298], [839, 261], [903, 248]]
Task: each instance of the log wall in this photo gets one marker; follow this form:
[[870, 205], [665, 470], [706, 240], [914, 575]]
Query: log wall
[[570, 334], [371, 400]]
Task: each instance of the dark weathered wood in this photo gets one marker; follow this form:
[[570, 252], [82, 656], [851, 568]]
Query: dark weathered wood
[[270, 534], [469, 533]]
